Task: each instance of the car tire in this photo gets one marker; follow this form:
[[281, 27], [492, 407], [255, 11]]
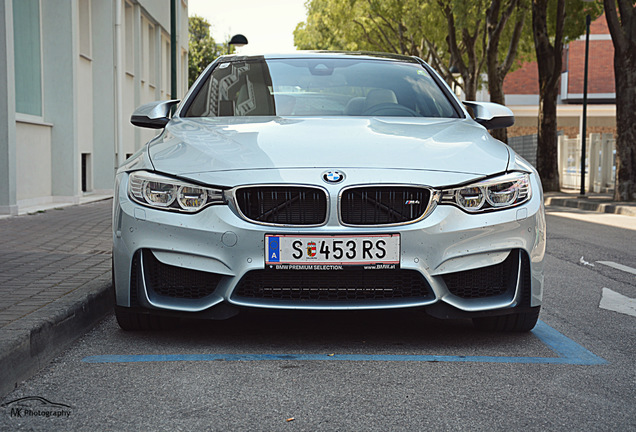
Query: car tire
[[129, 320], [134, 321], [516, 322]]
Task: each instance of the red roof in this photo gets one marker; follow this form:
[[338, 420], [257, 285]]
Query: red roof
[[525, 81]]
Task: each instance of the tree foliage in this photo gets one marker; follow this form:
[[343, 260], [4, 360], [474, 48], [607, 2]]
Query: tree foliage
[[409, 27], [445, 33], [202, 49], [503, 18]]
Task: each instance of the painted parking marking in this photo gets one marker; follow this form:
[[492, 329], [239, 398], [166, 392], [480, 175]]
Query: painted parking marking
[[611, 300], [618, 266], [568, 352]]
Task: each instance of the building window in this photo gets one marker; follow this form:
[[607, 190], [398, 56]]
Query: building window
[[27, 55], [129, 38], [87, 175], [85, 27], [152, 48], [143, 46], [166, 68], [184, 72]]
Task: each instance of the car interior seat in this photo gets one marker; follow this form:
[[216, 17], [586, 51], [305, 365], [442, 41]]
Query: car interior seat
[[379, 96]]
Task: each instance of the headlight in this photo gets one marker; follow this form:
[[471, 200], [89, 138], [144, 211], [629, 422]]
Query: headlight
[[169, 194], [497, 193]]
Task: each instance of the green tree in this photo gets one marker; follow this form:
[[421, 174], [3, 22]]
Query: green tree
[[622, 26], [202, 49], [409, 27], [445, 33], [505, 20], [465, 39], [328, 27]]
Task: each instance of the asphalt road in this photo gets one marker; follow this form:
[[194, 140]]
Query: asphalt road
[[368, 371]]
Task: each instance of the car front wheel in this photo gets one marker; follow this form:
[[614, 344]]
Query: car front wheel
[[516, 322], [132, 321]]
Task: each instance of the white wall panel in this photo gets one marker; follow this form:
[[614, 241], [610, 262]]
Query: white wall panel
[[33, 157]]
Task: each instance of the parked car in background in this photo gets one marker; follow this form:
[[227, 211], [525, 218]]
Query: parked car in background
[[326, 181]]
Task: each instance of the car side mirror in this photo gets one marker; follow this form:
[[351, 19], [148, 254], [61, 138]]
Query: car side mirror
[[154, 115], [491, 115]]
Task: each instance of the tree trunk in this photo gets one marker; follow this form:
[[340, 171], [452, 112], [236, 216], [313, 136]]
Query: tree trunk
[[547, 158], [549, 65], [469, 72], [495, 87], [624, 40], [625, 73], [470, 89], [495, 24]]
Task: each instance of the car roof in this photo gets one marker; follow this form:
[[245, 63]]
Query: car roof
[[324, 55]]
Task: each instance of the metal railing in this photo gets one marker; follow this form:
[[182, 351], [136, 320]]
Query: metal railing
[[600, 163], [526, 147]]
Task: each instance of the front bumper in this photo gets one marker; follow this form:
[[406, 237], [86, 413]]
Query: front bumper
[[226, 249]]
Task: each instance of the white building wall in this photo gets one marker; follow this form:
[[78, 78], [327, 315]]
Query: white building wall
[[41, 155], [103, 91], [149, 69], [33, 163], [60, 95], [85, 104], [85, 78], [8, 180], [165, 65], [182, 48]]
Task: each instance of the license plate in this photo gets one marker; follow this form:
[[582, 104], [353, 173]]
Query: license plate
[[298, 252]]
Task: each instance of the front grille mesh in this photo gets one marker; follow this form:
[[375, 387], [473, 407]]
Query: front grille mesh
[[486, 281], [378, 205], [333, 286], [177, 282], [283, 205]]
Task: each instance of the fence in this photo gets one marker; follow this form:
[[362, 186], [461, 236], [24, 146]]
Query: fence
[[600, 163], [525, 146]]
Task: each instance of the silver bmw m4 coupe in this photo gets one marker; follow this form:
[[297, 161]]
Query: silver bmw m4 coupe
[[326, 181]]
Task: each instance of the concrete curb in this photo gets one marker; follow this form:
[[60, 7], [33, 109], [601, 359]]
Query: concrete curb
[[591, 205], [28, 344]]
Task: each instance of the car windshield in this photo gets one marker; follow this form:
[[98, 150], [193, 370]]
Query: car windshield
[[320, 87]]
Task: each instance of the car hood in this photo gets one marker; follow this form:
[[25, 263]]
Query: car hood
[[205, 145]]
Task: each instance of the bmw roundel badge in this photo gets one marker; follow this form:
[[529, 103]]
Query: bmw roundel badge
[[333, 176]]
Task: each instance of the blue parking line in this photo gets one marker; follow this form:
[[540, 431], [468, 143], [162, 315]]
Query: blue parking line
[[568, 352]]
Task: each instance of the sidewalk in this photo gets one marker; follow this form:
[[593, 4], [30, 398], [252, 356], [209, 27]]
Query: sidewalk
[[601, 203], [55, 281], [54, 284]]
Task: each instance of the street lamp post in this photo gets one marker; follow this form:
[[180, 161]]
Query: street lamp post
[[173, 51], [238, 40], [584, 126]]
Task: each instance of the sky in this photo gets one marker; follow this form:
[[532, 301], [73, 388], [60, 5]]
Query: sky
[[268, 25]]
